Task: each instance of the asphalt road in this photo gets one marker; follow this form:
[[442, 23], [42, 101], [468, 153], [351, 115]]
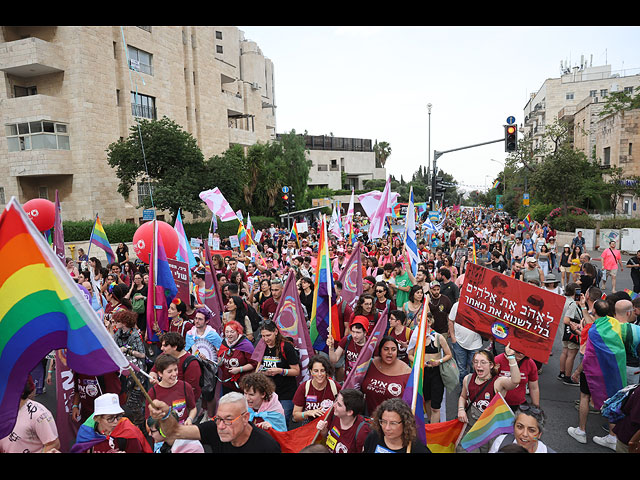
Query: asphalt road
[[556, 399]]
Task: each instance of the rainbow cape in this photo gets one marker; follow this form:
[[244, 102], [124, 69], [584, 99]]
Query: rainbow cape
[[496, 419], [99, 239], [88, 438], [605, 356], [42, 309]]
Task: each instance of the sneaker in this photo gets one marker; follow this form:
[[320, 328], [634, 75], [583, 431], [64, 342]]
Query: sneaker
[[568, 381], [607, 441], [560, 376], [578, 436]]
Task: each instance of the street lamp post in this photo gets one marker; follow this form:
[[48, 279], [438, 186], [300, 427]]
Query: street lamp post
[[429, 161], [504, 175]]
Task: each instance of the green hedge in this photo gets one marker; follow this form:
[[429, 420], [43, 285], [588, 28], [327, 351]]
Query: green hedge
[[620, 223], [80, 231], [571, 222]]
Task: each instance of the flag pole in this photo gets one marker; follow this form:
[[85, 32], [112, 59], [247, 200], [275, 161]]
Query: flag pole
[[92, 230], [420, 356], [330, 273]]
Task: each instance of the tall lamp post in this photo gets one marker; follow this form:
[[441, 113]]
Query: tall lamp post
[[429, 164], [504, 175]]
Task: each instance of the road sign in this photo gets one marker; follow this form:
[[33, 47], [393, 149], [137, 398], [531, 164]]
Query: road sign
[[511, 120], [285, 189], [148, 214]]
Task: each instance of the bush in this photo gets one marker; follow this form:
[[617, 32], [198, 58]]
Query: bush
[[618, 223], [571, 222]]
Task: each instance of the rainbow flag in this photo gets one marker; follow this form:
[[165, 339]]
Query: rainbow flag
[[99, 239], [294, 234], [605, 356], [495, 184], [496, 419], [323, 294], [413, 391], [527, 220], [243, 238], [42, 309], [631, 293], [444, 437]]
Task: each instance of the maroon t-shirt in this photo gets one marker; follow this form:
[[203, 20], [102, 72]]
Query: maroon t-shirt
[[233, 358], [90, 387], [179, 397], [350, 440], [314, 399], [378, 387], [191, 376], [268, 308], [351, 352]]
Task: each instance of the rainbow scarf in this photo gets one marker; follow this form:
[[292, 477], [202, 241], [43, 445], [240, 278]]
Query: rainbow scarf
[[605, 356], [42, 309]]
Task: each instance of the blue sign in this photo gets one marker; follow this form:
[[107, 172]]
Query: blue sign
[[149, 214], [285, 189], [511, 120]]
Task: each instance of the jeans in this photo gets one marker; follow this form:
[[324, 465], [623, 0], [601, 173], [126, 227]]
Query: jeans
[[287, 406], [464, 359]]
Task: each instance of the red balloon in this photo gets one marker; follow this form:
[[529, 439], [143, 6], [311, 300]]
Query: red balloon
[[42, 213], [143, 239]]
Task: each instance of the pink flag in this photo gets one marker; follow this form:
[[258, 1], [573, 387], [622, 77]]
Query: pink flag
[[369, 201], [376, 227], [351, 278], [213, 294], [218, 204]]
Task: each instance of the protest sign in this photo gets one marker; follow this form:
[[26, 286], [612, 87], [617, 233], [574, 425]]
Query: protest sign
[[181, 275], [510, 310]]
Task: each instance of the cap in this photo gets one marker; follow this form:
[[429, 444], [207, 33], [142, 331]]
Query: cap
[[551, 278], [435, 283], [362, 320], [107, 404], [566, 245], [531, 259]]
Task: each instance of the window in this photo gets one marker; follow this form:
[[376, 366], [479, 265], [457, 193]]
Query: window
[[2, 200], [569, 96], [144, 192], [628, 90], [604, 92], [140, 61], [607, 156], [38, 135], [143, 106], [630, 148], [19, 91], [43, 192], [218, 48], [593, 93], [218, 35]]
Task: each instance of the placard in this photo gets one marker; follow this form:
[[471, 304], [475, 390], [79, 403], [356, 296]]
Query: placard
[[510, 310], [233, 240], [181, 274]]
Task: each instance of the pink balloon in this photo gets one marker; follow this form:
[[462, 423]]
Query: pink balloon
[[42, 213], [143, 239]]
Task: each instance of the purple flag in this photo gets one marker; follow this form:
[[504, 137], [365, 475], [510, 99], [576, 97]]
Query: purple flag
[[213, 294], [58, 234], [291, 322], [66, 424], [351, 278]]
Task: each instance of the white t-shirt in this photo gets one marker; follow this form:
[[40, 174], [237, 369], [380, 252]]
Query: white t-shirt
[[468, 339], [542, 448]]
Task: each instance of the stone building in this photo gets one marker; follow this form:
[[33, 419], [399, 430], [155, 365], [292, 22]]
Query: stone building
[[70, 91]]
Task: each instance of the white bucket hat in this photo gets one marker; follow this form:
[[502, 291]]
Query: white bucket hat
[[107, 404]]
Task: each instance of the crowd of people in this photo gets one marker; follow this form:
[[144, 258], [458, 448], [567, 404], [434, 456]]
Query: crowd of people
[[174, 409]]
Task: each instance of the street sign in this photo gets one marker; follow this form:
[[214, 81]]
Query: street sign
[[525, 199], [148, 214], [511, 120], [285, 189]]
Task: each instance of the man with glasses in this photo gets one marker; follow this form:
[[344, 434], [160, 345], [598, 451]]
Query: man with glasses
[[230, 431]]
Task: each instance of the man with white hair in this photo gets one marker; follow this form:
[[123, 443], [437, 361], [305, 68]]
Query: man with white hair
[[230, 431]]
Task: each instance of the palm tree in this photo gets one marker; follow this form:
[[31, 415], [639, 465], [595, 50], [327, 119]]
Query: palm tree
[[382, 151]]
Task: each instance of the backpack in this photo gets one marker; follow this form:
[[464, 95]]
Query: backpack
[[208, 379], [254, 317], [613, 406]]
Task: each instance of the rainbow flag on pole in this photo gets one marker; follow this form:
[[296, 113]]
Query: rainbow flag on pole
[[444, 437], [99, 239], [42, 309], [496, 419], [323, 294]]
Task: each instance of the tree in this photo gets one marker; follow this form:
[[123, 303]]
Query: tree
[[382, 151], [620, 102], [170, 162]]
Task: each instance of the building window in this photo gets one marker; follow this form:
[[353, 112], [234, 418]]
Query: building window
[[569, 96], [604, 92], [140, 61], [38, 135], [2, 200], [19, 91], [630, 148], [143, 106], [593, 93], [43, 192], [218, 48], [218, 35], [607, 156], [145, 190], [628, 90]]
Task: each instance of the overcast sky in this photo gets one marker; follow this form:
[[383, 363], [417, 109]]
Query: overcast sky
[[376, 82]]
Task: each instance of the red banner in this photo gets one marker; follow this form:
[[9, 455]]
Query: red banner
[[510, 310], [181, 274]]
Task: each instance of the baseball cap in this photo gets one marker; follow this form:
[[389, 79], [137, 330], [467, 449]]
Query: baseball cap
[[435, 283]]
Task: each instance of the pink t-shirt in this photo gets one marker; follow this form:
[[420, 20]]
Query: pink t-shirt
[[35, 427], [610, 259]]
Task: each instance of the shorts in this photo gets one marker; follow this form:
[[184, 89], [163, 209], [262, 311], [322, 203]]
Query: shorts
[[584, 387], [433, 387], [563, 269], [613, 273], [570, 345]]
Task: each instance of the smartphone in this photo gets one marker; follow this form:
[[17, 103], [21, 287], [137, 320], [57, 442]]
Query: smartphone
[[578, 293]]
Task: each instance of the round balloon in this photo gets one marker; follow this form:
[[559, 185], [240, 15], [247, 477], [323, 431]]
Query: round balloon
[[42, 213], [143, 239]]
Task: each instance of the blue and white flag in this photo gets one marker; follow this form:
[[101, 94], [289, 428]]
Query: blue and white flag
[[410, 239]]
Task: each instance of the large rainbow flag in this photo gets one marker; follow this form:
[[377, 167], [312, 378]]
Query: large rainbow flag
[[323, 294], [605, 356], [99, 239], [42, 309], [443, 437], [496, 419]]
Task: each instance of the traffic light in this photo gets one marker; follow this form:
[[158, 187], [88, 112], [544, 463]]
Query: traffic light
[[510, 138], [292, 201], [285, 199], [440, 188]]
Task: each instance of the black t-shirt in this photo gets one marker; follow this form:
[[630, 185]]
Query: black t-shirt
[[285, 386], [374, 444], [259, 441]]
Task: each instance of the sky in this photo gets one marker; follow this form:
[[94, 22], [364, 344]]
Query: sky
[[375, 82]]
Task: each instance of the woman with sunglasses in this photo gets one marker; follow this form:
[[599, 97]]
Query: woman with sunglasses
[[527, 429]]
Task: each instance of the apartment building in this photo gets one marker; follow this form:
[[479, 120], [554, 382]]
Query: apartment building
[[70, 91], [575, 89]]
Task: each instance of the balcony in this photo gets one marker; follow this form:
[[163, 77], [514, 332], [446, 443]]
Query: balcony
[[233, 101], [30, 57], [34, 163], [567, 113], [39, 107]]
